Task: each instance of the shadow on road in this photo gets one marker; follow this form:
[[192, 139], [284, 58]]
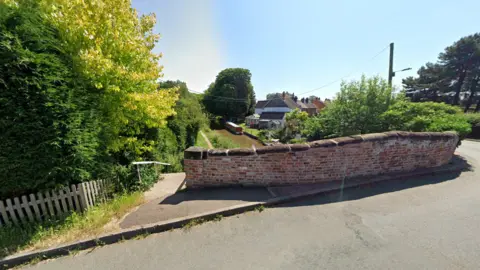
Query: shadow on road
[[254, 194], [364, 190], [372, 189]]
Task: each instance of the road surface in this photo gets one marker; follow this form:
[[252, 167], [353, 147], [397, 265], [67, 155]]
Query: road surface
[[424, 223]]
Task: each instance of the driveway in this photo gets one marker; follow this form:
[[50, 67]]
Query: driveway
[[423, 223]]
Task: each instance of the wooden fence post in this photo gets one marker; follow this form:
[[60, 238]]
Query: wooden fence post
[[3, 212], [83, 196]]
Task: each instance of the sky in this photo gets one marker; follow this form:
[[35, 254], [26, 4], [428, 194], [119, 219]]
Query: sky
[[303, 46]]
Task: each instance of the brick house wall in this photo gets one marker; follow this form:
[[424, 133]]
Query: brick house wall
[[319, 161]]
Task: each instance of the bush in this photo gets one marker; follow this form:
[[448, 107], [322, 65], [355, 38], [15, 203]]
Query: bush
[[222, 143], [355, 110], [426, 116], [473, 119], [301, 140], [265, 135]]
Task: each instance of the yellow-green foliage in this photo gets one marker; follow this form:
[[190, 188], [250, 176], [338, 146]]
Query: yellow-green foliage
[[91, 68], [112, 47]]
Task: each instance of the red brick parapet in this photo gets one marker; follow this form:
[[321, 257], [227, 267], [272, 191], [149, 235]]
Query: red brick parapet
[[319, 161]]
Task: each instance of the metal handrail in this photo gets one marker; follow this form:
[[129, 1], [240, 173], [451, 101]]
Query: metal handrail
[[147, 162]]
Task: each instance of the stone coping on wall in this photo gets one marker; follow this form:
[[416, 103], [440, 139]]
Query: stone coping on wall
[[197, 153]]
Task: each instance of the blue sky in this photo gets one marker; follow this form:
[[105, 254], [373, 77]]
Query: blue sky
[[301, 45]]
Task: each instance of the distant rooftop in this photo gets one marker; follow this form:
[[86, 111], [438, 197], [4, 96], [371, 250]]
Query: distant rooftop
[[272, 115], [276, 102], [261, 103]]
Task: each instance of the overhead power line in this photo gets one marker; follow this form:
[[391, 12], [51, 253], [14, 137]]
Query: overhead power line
[[346, 76], [222, 98]]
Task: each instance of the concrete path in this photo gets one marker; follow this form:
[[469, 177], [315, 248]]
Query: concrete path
[[170, 184], [423, 223], [210, 146]]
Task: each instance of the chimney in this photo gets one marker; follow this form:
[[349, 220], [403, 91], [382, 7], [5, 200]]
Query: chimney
[[306, 100], [303, 100], [283, 95]]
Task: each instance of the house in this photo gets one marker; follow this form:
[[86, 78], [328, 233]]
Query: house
[[306, 106], [252, 121], [319, 104], [259, 106], [270, 120], [279, 105]]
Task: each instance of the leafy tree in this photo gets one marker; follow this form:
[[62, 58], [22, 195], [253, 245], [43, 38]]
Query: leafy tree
[[294, 124], [427, 116], [112, 48], [82, 78], [279, 95], [432, 80], [462, 58], [189, 118], [355, 110], [457, 70], [231, 95]]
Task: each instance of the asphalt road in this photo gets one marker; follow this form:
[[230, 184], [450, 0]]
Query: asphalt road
[[423, 223]]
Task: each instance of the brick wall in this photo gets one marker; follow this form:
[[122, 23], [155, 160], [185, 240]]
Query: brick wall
[[318, 161]]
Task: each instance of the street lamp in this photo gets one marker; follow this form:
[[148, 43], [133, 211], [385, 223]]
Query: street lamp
[[405, 69]]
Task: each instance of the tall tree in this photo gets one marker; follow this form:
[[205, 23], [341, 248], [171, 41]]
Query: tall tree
[[461, 59], [231, 95], [455, 71], [432, 80]]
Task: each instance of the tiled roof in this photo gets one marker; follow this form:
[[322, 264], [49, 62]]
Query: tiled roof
[[272, 115], [276, 102], [301, 104], [291, 103], [261, 104]]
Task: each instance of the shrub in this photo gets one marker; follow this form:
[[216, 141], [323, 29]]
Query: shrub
[[222, 143], [426, 116], [355, 110], [473, 119], [301, 140]]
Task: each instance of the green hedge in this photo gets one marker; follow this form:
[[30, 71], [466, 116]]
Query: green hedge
[[49, 128], [426, 116]]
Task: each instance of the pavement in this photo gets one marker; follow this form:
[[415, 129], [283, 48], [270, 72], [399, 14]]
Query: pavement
[[428, 222], [170, 184], [183, 204]]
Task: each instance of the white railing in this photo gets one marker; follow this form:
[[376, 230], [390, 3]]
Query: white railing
[[53, 203], [155, 163]]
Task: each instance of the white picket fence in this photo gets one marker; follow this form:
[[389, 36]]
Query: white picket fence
[[53, 203]]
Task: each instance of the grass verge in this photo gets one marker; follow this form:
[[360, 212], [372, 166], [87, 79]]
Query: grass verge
[[75, 226], [254, 132], [200, 141]]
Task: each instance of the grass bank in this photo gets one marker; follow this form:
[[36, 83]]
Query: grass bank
[[252, 131], [219, 140], [76, 226], [200, 141]]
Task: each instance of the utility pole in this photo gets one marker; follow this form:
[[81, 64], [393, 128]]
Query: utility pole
[[390, 67]]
